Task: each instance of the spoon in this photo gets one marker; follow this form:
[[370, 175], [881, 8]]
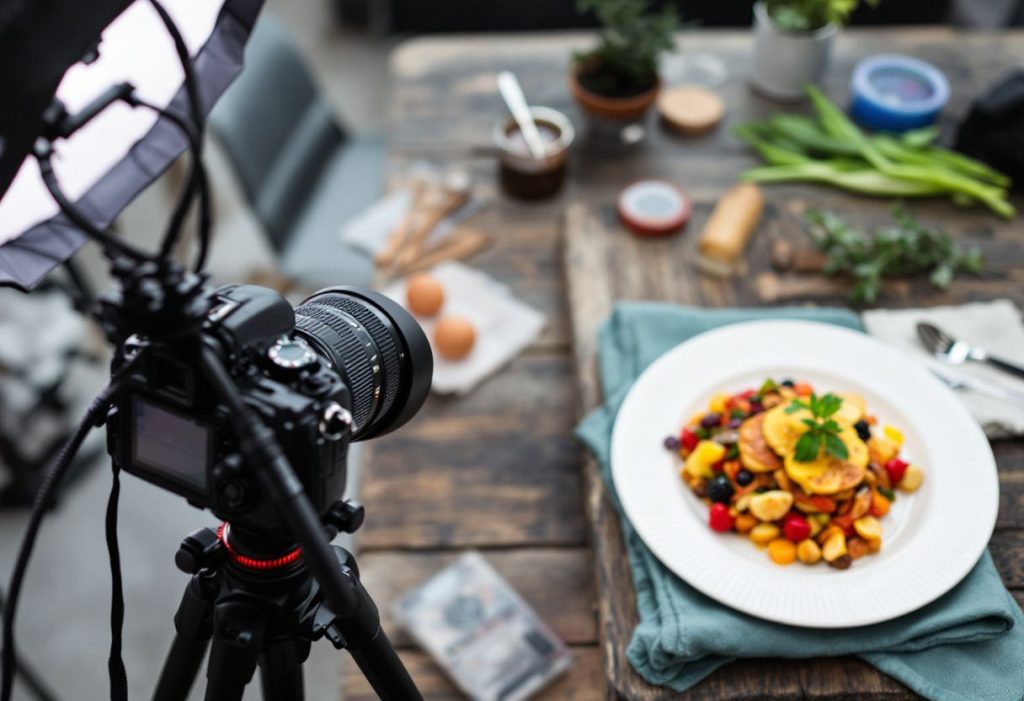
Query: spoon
[[509, 88]]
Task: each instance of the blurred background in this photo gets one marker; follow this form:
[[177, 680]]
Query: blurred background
[[63, 620]]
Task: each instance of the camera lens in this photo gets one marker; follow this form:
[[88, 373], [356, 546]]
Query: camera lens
[[377, 347]]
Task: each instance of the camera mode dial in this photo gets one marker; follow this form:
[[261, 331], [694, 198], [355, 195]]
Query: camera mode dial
[[290, 355]]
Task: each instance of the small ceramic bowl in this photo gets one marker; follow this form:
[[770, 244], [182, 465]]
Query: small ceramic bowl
[[521, 174]]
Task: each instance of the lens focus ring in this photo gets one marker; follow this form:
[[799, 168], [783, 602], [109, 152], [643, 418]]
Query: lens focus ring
[[338, 335]]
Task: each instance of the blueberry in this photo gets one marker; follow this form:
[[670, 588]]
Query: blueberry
[[863, 429], [671, 443], [788, 383], [711, 420], [720, 490], [744, 477], [735, 423]]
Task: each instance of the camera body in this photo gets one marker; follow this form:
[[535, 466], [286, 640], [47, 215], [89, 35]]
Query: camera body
[[169, 428]]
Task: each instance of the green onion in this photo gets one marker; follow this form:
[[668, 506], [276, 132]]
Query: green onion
[[830, 149]]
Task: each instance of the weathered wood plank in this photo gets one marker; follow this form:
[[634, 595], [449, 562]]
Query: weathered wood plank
[[497, 467], [578, 684], [557, 582]]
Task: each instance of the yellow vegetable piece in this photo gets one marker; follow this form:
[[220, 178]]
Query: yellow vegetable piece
[[771, 505], [893, 434], [782, 551], [868, 527], [704, 455], [808, 552], [882, 449], [764, 533], [834, 548], [874, 545], [817, 522], [912, 479], [717, 403], [852, 409]]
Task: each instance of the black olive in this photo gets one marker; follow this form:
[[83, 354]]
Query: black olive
[[788, 383], [744, 477], [720, 489], [863, 429]]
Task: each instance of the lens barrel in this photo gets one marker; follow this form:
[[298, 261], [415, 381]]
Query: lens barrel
[[377, 347]]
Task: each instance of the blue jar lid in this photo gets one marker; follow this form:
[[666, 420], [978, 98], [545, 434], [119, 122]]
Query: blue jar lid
[[897, 93]]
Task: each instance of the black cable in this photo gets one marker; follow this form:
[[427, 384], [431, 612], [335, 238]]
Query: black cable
[[195, 108], [115, 663], [45, 159], [29, 677], [44, 498]]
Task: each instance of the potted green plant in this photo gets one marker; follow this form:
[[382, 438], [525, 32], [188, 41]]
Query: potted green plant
[[793, 40], [618, 78]]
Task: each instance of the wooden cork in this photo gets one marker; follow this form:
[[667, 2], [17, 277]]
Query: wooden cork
[[690, 109]]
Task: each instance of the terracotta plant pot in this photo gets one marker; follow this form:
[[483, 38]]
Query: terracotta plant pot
[[624, 109]]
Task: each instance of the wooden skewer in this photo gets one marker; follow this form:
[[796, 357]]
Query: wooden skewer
[[386, 257], [454, 194], [458, 245]]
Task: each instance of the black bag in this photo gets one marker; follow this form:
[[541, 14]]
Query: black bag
[[994, 129]]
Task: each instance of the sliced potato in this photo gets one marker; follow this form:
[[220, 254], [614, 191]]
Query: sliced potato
[[828, 475], [764, 533], [868, 527], [755, 453], [771, 505], [782, 430]]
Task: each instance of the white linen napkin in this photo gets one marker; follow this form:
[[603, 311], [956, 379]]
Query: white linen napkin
[[504, 325], [995, 326]]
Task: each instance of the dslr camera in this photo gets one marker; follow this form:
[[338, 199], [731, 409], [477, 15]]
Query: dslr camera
[[347, 364]]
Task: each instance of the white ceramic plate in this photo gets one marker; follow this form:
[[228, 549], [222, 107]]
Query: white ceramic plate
[[931, 539]]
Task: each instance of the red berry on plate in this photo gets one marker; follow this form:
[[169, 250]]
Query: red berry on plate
[[796, 528], [689, 439], [719, 518], [896, 468]]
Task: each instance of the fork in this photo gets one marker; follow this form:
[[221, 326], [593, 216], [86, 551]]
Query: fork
[[956, 352]]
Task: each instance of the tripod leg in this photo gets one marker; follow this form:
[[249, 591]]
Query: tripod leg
[[193, 625], [237, 639], [281, 671]]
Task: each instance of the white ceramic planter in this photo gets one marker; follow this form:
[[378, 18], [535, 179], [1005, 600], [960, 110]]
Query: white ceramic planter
[[784, 62]]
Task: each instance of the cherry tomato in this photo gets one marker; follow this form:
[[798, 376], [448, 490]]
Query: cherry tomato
[[719, 518], [896, 468], [796, 528], [689, 439]]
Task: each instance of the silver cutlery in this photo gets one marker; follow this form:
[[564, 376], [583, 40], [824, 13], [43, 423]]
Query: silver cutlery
[[957, 381], [957, 352]]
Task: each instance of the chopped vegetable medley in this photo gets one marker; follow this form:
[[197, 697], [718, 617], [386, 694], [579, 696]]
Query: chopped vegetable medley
[[806, 476]]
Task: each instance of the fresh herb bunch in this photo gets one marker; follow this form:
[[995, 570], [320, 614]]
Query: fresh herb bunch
[[808, 15], [626, 56], [905, 247], [822, 430], [831, 149]]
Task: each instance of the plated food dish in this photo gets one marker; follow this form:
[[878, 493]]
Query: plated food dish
[[806, 476], [925, 548]]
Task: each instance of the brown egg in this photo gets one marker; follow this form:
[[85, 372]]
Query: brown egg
[[424, 294], [454, 337]]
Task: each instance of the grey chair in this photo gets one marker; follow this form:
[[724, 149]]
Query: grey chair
[[302, 174]]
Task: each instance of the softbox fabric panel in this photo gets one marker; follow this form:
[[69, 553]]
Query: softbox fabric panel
[[28, 254]]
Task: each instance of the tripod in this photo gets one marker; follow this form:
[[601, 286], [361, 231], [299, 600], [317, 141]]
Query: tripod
[[255, 603]]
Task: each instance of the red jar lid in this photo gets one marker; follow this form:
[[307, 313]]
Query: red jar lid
[[653, 208]]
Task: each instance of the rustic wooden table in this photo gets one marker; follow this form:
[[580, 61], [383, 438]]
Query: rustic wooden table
[[499, 470]]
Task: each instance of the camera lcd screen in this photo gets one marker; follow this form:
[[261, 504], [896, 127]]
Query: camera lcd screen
[[170, 444]]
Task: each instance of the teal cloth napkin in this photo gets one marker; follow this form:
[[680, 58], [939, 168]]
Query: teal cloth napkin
[[967, 645]]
